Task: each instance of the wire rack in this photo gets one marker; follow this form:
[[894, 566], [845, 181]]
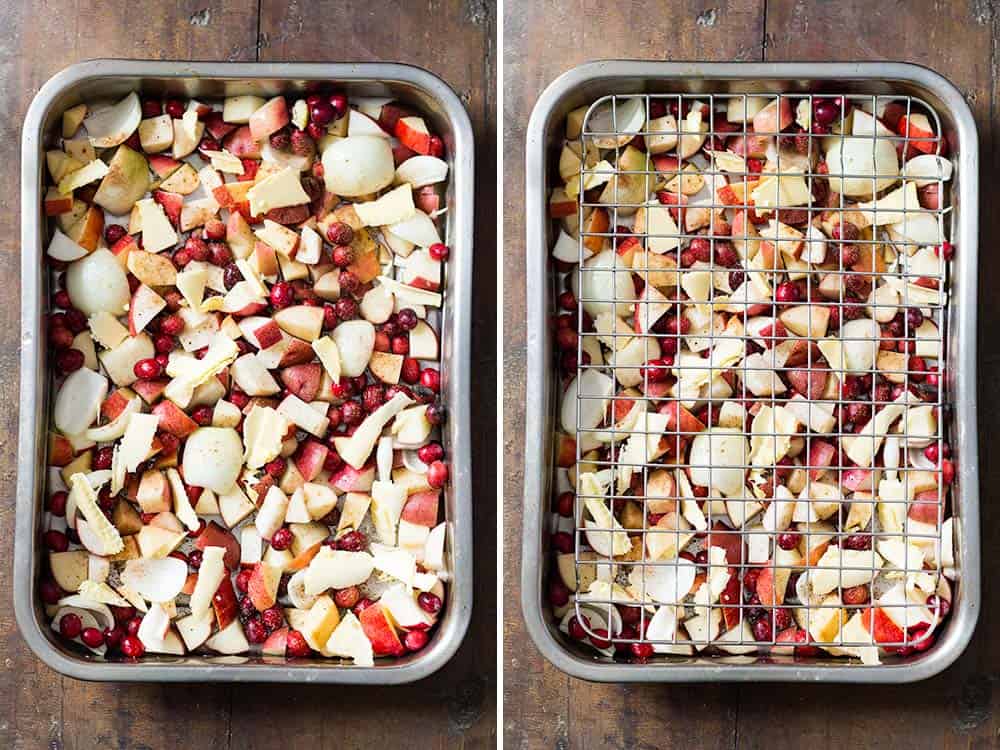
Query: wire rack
[[678, 375]]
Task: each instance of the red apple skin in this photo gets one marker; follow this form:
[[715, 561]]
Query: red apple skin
[[162, 165], [223, 197], [253, 308], [267, 259], [174, 420], [731, 595], [216, 536], [240, 143], [115, 404], [224, 603], [276, 642], [150, 391], [258, 591], [60, 450], [421, 283], [775, 117], [924, 507], [61, 204], [172, 204], [677, 414], [821, 454], [217, 127], [768, 593], [428, 199], [303, 380], [268, 334], [390, 115], [271, 117], [298, 352], [566, 451], [91, 226], [303, 558], [289, 215], [349, 479], [379, 631], [809, 382], [410, 136], [731, 542], [421, 508], [310, 458], [908, 127], [401, 153], [881, 626], [856, 479], [189, 583]]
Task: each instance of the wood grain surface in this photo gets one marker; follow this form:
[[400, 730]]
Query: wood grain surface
[[455, 708], [542, 706]]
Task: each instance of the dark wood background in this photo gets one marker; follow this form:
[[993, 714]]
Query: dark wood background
[[542, 706], [455, 708]]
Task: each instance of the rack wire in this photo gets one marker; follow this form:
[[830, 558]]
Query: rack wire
[[689, 515]]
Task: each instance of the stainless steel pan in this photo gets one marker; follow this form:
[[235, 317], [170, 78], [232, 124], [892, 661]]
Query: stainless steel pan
[[114, 78], [589, 83]]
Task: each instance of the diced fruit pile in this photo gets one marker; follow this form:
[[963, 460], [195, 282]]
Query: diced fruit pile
[[245, 451], [752, 452]]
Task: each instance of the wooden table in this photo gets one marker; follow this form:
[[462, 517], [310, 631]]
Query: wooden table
[[542, 706], [457, 708]]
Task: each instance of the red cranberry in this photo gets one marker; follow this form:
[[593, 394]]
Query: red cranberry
[[69, 360], [195, 558], [787, 292], [112, 637], [347, 308], [438, 251], [175, 108], [76, 321], [60, 338], [825, 111], [302, 143], [762, 630], [943, 606], [641, 651], [70, 625], [273, 618], [415, 640], [281, 140], [55, 540], [243, 580], [50, 591], [410, 372], [577, 629], [373, 397], [400, 345], [282, 295], [132, 647], [600, 638], [437, 474], [407, 319], [339, 103], [917, 368], [342, 255], [113, 233], [349, 282], [352, 541], [92, 637], [947, 471], [220, 254], [431, 379], [147, 369], [122, 615], [788, 540], [857, 542], [352, 413], [255, 630], [435, 146], [429, 603], [340, 234], [562, 542], [347, 598], [197, 248], [151, 108], [321, 112], [565, 503], [276, 468], [282, 539], [57, 503], [945, 250], [215, 229], [296, 645], [102, 458]]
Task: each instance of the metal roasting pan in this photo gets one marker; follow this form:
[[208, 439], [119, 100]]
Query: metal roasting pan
[[114, 78], [586, 84]]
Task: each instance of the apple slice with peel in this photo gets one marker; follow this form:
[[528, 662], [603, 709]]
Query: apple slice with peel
[[229, 640], [337, 569], [302, 321], [125, 183], [262, 588], [69, 568], [156, 580], [268, 118], [355, 340], [79, 401], [402, 608], [110, 126], [350, 641], [380, 632], [252, 376], [320, 622], [154, 492]]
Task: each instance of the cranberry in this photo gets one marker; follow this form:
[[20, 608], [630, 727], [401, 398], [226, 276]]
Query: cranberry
[[281, 140], [202, 415], [282, 539], [347, 309], [437, 474], [788, 540], [857, 542], [825, 111], [282, 295], [321, 113], [113, 233], [57, 503], [438, 251], [296, 645], [410, 372], [347, 598], [565, 503], [945, 250], [641, 651], [352, 541], [92, 637], [342, 255], [782, 619], [562, 542], [197, 248], [55, 541], [339, 104], [215, 229], [333, 461], [112, 637], [915, 318], [349, 282], [600, 638], [340, 234], [243, 580], [103, 457], [132, 647], [247, 609], [195, 558], [406, 319], [415, 640], [255, 630], [231, 276], [175, 108], [147, 369], [343, 388], [750, 579], [151, 108], [122, 615], [855, 596], [373, 397], [947, 471], [943, 606], [61, 299], [273, 618], [435, 146], [431, 379], [70, 625], [787, 292], [577, 629], [762, 630], [352, 413], [69, 360], [656, 370], [164, 344], [917, 368], [401, 345], [361, 606], [429, 603], [61, 338], [50, 591], [220, 254]]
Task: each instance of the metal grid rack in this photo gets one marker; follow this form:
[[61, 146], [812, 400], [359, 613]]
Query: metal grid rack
[[664, 179]]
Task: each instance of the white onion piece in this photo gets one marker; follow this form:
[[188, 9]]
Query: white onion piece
[[853, 162], [113, 125], [667, 584], [97, 283], [585, 401], [717, 458], [79, 401], [213, 458], [926, 169], [116, 428], [860, 353], [98, 608], [422, 170], [601, 284], [358, 165], [158, 580], [619, 120]]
